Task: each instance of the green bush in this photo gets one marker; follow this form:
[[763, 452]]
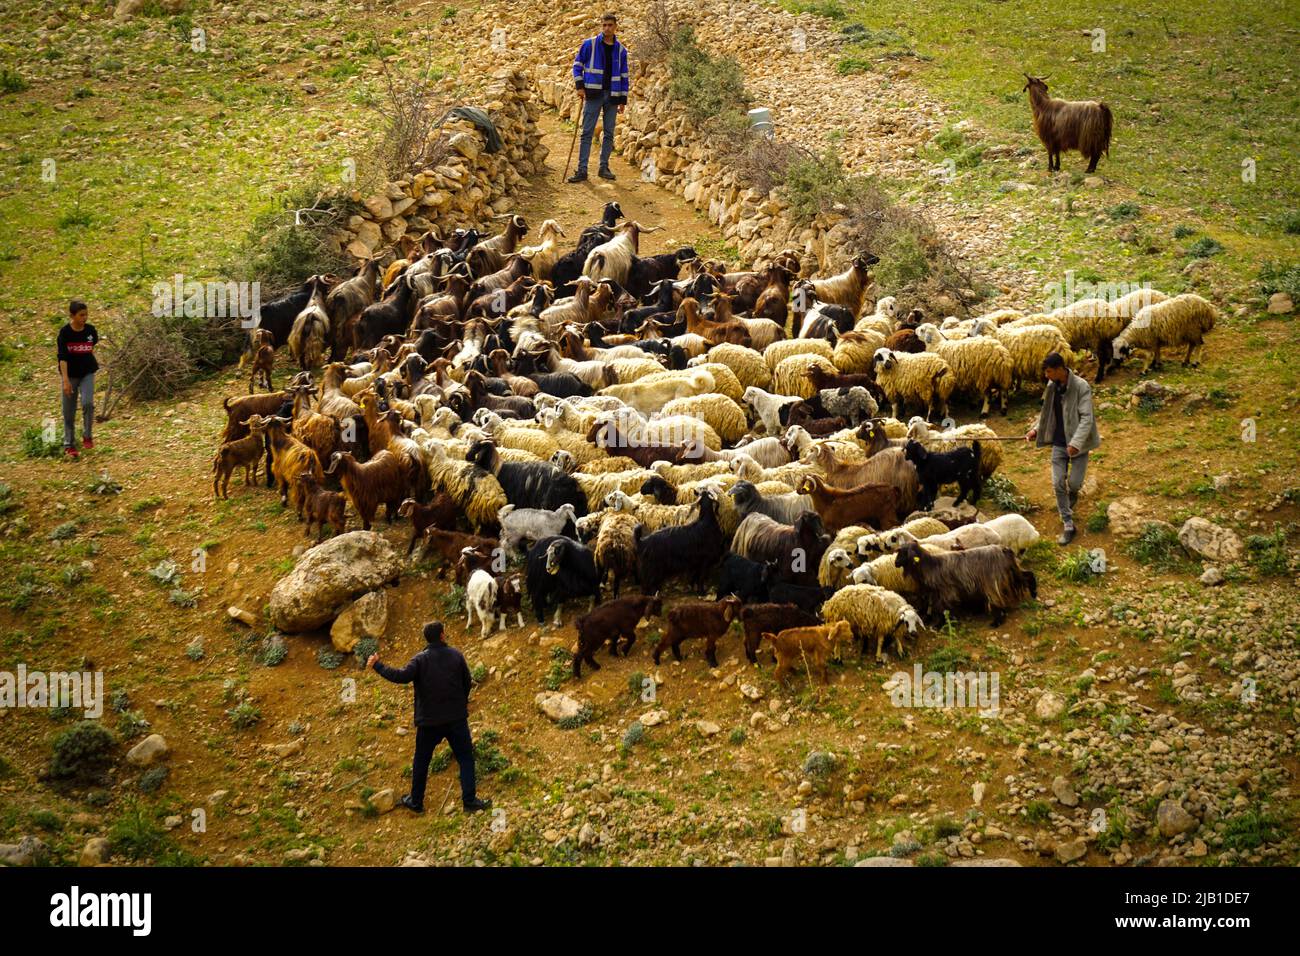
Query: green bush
[[151, 780], [1204, 248], [1280, 277], [1099, 520], [1125, 211], [1183, 232], [1289, 222], [34, 445], [1076, 567], [1158, 547], [11, 81], [83, 752], [706, 86], [903, 261], [632, 736], [244, 715], [1267, 553], [1002, 491], [282, 254], [814, 184], [329, 658], [582, 717]]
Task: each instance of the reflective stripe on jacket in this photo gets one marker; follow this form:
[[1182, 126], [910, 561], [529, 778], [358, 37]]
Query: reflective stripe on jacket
[[589, 66]]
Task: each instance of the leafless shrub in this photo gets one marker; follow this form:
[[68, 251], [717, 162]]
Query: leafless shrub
[[653, 41], [412, 107], [764, 163]]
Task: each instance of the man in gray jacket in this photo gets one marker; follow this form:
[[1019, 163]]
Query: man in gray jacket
[[1068, 425]]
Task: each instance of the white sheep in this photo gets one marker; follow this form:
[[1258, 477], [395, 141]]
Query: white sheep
[[981, 366], [1014, 530], [1028, 345], [650, 395], [532, 524], [874, 612], [958, 539], [1183, 320], [873, 544], [767, 407], [922, 378], [745, 363], [481, 599]]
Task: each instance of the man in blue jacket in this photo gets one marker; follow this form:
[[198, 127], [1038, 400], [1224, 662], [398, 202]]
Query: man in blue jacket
[[601, 75], [442, 684]]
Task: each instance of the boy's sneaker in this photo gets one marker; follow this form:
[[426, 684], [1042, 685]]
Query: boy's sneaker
[[476, 805], [87, 443], [71, 452], [1067, 535]]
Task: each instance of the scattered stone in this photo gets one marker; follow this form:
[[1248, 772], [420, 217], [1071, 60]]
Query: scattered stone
[[26, 852], [94, 852], [367, 616], [558, 706], [1064, 793], [148, 751], [1211, 541], [707, 728], [384, 801], [1072, 850], [1172, 819], [653, 717], [1279, 303], [1050, 706], [242, 616], [1212, 577]]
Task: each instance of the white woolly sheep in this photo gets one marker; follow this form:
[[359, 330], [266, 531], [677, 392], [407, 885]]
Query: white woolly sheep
[[778, 352], [921, 378], [982, 366], [531, 524], [1028, 345], [767, 407], [745, 363], [874, 613], [653, 392], [853, 350], [1183, 320], [1014, 531], [790, 377], [721, 414]]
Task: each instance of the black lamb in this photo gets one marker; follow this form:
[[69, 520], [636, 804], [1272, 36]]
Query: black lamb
[[937, 468], [804, 597], [557, 569], [746, 579], [277, 315]]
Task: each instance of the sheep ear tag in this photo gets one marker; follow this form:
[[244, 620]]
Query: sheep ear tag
[[916, 560]]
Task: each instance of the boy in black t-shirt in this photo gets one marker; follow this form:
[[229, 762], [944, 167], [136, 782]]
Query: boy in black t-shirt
[[77, 367]]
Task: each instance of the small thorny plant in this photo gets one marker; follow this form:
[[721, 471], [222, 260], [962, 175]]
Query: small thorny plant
[[577, 720]]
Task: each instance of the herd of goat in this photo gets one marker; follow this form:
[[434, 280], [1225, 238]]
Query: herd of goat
[[610, 419]]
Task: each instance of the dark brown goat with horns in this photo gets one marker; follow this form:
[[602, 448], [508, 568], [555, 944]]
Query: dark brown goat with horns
[[1084, 125]]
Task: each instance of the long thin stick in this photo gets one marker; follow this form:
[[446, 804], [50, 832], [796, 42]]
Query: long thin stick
[[447, 793], [572, 143]]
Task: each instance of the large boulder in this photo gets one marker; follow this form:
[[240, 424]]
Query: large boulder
[[330, 575], [558, 706], [1128, 517], [1208, 540], [367, 616]]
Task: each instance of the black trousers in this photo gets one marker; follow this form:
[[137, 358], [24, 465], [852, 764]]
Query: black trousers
[[427, 739]]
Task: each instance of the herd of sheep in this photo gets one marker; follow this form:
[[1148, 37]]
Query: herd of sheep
[[612, 420]]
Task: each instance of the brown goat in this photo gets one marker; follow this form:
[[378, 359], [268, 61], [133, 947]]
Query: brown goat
[[757, 618], [813, 645], [510, 597], [321, 507], [607, 435], [612, 620], [439, 513], [289, 457], [450, 544], [245, 452], [874, 503], [380, 480], [240, 408], [821, 379], [707, 619], [1063, 125], [887, 467], [263, 351]]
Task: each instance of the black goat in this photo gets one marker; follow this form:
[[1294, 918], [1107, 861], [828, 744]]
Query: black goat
[[937, 468], [277, 315], [805, 598], [644, 273], [691, 549], [748, 580], [389, 316], [557, 569], [532, 484]]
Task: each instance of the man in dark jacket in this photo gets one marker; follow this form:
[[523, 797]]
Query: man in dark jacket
[[600, 73], [442, 684], [1067, 424]]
